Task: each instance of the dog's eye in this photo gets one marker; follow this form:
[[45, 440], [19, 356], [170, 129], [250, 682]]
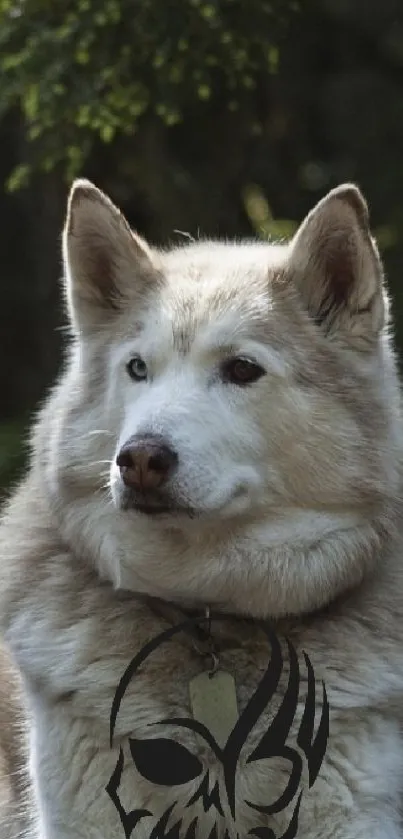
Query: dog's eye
[[241, 371], [137, 368]]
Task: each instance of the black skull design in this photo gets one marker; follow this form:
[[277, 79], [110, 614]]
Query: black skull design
[[165, 762]]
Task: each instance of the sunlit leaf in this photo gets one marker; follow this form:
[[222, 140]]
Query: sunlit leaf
[[19, 177]]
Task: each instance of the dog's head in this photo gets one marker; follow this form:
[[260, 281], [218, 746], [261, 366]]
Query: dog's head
[[229, 386]]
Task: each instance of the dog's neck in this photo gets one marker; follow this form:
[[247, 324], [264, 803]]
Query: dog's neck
[[247, 577], [197, 628], [207, 634], [283, 566]]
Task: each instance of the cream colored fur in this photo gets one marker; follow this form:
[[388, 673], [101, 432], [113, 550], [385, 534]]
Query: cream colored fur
[[16, 805], [294, 488]]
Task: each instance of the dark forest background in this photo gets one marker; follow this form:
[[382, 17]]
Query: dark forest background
[[216, 117]]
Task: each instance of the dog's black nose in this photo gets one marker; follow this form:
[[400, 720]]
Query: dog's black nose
[[145, 463]]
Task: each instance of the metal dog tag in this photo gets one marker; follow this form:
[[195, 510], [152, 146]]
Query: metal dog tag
[[214, 703]]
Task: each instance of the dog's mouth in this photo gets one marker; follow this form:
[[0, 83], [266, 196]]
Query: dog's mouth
[[152, 509], [162, 504], [154, 505]]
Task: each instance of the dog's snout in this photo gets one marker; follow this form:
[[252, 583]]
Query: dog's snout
[[146, 463]]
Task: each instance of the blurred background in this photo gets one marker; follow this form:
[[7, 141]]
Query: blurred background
[[215, 117]]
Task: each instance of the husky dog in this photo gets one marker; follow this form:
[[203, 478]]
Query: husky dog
[[226, 436]]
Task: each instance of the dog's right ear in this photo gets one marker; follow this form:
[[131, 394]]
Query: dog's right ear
[[104, 261]]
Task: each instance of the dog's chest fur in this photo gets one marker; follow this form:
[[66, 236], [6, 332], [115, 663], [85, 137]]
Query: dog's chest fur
[[78, 699], [164, 692], [75, 654]]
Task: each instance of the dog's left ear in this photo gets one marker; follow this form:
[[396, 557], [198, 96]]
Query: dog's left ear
[[104, 260], [335, 264]]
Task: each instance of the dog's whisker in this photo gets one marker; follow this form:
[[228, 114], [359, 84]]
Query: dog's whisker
[[100, 463], [103, 490], [79, 466]]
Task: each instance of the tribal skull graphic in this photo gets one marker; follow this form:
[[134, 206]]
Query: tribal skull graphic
[[167, 763]]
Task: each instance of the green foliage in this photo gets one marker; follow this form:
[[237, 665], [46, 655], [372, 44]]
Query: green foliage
[[19, 178], [87, 69], [261, 217]]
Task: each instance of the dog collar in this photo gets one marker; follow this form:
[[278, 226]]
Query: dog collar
[[197, 631]]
